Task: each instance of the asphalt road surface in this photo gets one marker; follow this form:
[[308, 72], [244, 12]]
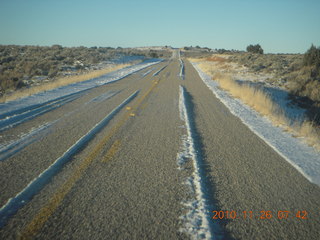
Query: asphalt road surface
[[123, 181]]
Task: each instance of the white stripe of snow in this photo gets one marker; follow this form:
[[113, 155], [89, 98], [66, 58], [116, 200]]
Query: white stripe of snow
[[157, 72], [181, 70], [9, 149], [196, 220], [301, 156], [181, 67], [147, 72], [16, 119], [23, 197]]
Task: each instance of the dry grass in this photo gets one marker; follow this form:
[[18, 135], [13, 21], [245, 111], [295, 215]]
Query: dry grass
[[196, 60], [61, 82], [253, 97], [310, 132], [262, 103], [216, 58]]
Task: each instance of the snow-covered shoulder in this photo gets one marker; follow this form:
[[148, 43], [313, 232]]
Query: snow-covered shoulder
[[301, 156]]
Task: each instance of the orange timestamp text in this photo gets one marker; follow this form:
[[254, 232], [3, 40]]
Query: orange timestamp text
[[281, 214]]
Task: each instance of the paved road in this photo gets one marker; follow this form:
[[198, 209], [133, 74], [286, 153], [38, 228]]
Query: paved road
[[125, 182]]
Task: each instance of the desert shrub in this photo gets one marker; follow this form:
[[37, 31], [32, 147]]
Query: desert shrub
[[19, 63], [312, 57], [154, 55], [305, 81], [255, 49]]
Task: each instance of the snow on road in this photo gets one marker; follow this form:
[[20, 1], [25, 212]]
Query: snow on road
[[14, 118], [23, 197], [197, 220], [17, 111], [301, 156], [181, 74], [8, 149]]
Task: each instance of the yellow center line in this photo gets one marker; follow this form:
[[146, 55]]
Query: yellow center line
[[46, 211], [112, 151]]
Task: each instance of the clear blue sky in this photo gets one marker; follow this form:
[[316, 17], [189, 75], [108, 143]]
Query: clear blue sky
[[286, 26]]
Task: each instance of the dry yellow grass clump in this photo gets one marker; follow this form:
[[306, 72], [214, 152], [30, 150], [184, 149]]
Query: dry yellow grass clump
[[61, 82], [262, 103]]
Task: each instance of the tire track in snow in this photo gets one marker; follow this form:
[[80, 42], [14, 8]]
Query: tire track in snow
[[8, 150], [28, 114]]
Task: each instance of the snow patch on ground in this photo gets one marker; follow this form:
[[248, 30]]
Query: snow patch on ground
[[279, 96], [260, 80], [301, 156]]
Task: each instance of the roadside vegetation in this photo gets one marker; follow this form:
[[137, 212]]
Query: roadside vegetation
[[296, 74], [59, 82], [255, 49], [30, 69], [299, 74], [305, 80]]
